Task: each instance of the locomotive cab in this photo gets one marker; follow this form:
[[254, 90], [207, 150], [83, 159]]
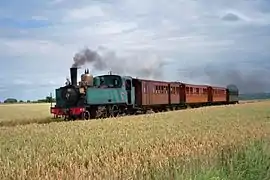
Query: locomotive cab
[[111, 89]]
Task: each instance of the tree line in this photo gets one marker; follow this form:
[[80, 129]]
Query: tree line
[[47, 99]]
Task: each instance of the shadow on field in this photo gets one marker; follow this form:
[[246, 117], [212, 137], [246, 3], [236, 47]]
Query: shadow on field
[[30, 121]]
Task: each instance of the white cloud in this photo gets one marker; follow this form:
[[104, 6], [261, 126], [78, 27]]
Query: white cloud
[[37, 50], [105, 28], [84, 13], [186, 32], [22, 82]]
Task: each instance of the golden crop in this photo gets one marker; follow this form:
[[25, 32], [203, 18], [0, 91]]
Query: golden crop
[[15, 114], [126, 147]]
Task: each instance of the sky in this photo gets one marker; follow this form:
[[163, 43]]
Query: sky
[[217, 42]]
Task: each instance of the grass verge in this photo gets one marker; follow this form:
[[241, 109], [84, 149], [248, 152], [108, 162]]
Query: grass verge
[[10, 123], [248, 162]]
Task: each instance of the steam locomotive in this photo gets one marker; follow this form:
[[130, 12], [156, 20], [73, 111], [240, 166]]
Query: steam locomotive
[[114, 95]]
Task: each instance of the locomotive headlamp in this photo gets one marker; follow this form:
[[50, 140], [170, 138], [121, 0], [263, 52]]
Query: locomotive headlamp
[[67, 95]]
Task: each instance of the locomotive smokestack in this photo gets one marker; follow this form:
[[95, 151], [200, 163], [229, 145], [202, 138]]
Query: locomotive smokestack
[[73, 76]]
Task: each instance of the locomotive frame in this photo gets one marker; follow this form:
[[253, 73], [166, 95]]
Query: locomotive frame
[[130, 96]]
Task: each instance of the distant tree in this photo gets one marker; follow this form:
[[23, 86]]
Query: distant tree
[[11, 100], [48, 99], [21, 101], [42, 101], [28, 101]]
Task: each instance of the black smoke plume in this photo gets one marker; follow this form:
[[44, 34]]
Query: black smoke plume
[[142, 65], [254, 79], [88, 56]]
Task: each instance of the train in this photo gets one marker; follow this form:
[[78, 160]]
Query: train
[[112, 95]]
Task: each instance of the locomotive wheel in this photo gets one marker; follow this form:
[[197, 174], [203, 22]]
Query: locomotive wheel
[[86, 115], [113, 111]]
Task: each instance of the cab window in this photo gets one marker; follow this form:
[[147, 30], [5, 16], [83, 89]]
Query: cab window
[[109, 81]]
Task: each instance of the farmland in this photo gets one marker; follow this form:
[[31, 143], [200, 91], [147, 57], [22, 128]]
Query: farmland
[[229, 142], [16, 114]]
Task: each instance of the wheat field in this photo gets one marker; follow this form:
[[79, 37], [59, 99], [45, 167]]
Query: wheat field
[[135, 147], [16, 114]]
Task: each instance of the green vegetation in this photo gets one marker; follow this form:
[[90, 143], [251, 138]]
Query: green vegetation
[[47, 99], [224, 142], [254, 96], [248, 162]]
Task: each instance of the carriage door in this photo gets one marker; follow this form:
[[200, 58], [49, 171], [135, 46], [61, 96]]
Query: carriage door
[[128, 89], [210, 94], [146, 93], [183, 94]]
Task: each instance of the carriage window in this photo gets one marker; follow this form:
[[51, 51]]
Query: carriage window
[[187, 90], [144, 88]]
